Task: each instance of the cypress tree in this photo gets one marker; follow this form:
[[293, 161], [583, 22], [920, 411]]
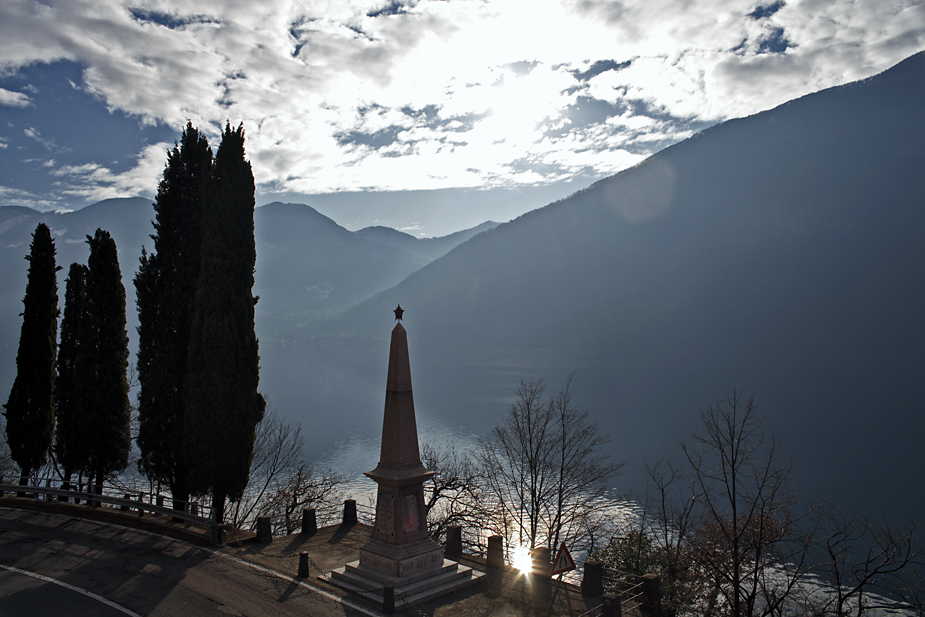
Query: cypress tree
[[70, 441], [102, 361], [165, 290], [30, 410], [224, 406]]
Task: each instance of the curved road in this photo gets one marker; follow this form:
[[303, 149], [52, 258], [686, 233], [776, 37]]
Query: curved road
[[55, 565]]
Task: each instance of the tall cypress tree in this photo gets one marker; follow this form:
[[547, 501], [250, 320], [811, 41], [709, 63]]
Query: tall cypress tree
[[30, 410], [165, 290], [70, 440], [102, 362], [224, 406]]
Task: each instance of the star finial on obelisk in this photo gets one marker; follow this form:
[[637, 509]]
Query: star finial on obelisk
[[398, 312]]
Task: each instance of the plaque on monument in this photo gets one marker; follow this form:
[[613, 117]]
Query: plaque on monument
[[385, 513], [411, 513]]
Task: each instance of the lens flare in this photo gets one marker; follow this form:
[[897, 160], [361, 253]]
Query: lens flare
[[521, 559]]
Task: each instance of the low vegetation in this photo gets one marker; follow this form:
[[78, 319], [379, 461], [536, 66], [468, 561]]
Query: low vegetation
[[725, 530], [729, 534]]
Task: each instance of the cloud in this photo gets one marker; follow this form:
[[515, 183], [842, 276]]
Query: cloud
[[401, 94], [94, 182], [14, 99], [393, 7], [12, 196], [34, 134]]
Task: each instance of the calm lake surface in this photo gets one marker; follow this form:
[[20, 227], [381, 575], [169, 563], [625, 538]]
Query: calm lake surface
[[853, 426]]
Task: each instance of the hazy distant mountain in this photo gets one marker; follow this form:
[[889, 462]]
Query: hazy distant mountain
[[129, 222], [308, 266], [789, 226], [783, 253], [428, 249]]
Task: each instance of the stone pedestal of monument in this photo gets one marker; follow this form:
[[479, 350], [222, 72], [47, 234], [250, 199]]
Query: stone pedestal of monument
[[400, 554]]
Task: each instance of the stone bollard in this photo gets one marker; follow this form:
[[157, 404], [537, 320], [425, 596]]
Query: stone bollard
[[303, 564], [123, 507], [388, 600], [453, 548], [613, 606], [181, 506], [542, 562], [350, 511], [218, 534], [540, 575], [309, 523], [592, 581], [264, 530], [651, 595], [495, 553], [494, 569]]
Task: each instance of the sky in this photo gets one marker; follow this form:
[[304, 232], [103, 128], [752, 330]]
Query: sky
[[424, 115]]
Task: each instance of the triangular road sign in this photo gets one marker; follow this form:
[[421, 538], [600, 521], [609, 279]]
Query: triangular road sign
[[563, 562]]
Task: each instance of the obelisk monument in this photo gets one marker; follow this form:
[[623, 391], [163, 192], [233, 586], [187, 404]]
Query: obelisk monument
[[400, 545]]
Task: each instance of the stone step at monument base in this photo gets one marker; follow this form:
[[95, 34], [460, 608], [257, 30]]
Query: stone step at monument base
[[409, 591]]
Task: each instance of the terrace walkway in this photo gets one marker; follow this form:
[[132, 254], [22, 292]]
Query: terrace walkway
[[112, 568]]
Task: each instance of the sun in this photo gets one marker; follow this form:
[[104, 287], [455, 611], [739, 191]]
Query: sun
[[521, 560], [518, 105]]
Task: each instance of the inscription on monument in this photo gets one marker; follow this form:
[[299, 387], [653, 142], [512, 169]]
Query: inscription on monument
[[385, 515], [411, 512], [427, 561], [375, 562]]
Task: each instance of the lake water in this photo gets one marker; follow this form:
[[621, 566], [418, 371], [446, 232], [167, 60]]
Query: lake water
[[852, 425]]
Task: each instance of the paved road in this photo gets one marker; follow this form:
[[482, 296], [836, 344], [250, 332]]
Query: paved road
[[37, 596], [136, 572]]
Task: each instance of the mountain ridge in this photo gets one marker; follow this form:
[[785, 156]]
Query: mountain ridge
[[130, 222], [428, 248], [646, 208], [780, 253]]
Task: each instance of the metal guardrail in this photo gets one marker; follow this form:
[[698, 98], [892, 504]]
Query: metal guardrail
[[629, 596], [593, 612], [366, 514], [133, 504]]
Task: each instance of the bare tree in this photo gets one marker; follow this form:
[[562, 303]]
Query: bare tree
[[516, 461], [670, 499], [454, 494], [868, 566], [308, 487], [581, 470], [277, 456], [729, 536], [544, 470], [669, 519], [748, 542]]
